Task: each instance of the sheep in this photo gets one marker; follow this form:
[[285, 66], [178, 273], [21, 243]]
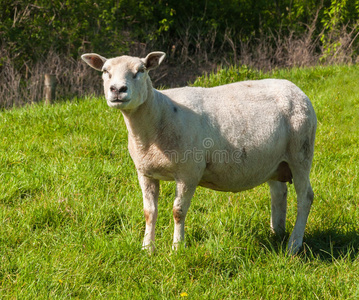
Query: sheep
[[227, 138]]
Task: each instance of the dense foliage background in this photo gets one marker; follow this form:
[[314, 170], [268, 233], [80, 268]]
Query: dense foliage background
[[38, 36], [31, 28]]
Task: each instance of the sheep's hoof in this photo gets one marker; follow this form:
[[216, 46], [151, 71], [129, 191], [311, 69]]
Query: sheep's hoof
[[293, 247], [150, 248], [279, 233], [178, 246]]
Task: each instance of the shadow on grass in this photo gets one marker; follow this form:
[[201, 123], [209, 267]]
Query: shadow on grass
[[329, 245], [332, 244]]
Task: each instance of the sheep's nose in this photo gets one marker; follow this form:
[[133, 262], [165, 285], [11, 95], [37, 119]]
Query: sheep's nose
[[120, 90]]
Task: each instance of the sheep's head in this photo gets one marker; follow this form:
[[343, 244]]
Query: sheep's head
[[125, 78]]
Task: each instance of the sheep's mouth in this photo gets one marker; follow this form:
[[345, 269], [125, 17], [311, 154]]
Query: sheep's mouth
[[119, 100]]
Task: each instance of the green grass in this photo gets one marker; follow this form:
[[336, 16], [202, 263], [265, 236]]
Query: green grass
[[72, 222]]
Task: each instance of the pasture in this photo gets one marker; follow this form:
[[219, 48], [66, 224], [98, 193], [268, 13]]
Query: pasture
[[72, 221]]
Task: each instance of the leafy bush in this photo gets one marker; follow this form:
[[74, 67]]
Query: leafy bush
[[29, 29], [257, 33]]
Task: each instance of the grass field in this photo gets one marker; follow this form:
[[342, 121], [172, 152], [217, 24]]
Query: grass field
[[72, 222]]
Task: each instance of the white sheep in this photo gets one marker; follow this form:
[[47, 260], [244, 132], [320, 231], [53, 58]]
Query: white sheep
[[227, 138]]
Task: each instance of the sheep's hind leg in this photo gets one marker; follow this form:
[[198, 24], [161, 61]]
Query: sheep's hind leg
[[150, 191], [305, 198], [184, 194], [278, 191]]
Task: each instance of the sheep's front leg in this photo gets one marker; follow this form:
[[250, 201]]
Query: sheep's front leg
[[184, 194], [150, 190]]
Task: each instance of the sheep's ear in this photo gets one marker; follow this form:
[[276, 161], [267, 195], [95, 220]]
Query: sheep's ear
[[94, 60], [153, 60]]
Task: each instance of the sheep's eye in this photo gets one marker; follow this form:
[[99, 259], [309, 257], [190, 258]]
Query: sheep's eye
[[141, 70], [106, 72]]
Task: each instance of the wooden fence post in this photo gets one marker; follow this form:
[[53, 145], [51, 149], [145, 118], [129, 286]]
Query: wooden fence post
[[50, 88]]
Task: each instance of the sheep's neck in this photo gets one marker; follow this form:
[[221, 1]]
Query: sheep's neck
[[142, 124]]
